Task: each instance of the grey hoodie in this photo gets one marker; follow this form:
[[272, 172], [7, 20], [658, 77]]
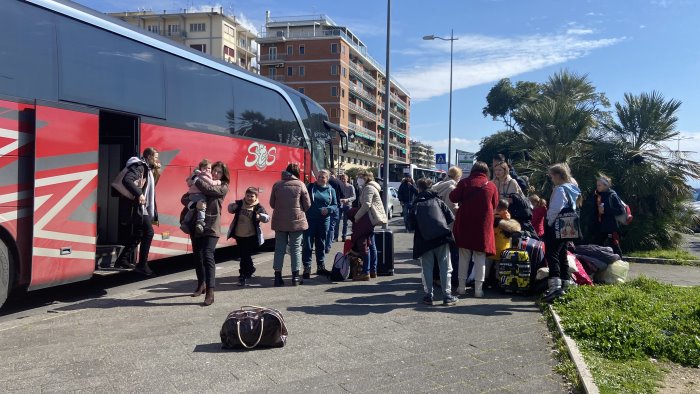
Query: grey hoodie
[[562, 197], [443, 190]]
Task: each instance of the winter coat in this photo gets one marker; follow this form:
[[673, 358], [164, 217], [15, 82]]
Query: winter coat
[[136, 169], [215, 200], [477, 199], [429, 211], [503, 234], [407, 192], [443, 190], [289, 200], [257, 209], [612, 206], [507, 187], [314, 212], [370, 199], [538, 215], [337, 186]]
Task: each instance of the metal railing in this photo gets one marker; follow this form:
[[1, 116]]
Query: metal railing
[[363, 131], [367, 114], [397, 114], [272, 58], [362, 94], [357, 147], [364, 75]]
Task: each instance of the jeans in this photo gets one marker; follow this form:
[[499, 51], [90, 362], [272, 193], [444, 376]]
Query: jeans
[[405, 211], [204, 264], [345, 221], [282, 238], [332, 231], [465, 256], [247, 247], [441, 254], [315, 237], [369, 261], [141, 232]]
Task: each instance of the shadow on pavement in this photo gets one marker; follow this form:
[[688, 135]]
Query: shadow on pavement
[[104, 303]]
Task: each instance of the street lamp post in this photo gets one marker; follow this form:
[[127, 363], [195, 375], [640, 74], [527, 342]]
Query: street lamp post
[[449, 135]]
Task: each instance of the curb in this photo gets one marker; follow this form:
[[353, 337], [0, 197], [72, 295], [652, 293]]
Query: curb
[[584, 374], [654, 260]]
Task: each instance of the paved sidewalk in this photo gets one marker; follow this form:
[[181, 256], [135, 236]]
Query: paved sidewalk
[[680, 275], [345, 337]]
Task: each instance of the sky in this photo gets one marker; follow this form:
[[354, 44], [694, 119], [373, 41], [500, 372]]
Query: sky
[[630, 46]]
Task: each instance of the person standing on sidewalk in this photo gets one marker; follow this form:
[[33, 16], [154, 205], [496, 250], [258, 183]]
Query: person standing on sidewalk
[[370, 203], [289, 200], [139, 215], [245, 228], [563, 196], [443, 190], [473, 228], [334, 227], [431, 219], [346, 202], [608, 206], [324, 205], [407, 192], [203, 246]]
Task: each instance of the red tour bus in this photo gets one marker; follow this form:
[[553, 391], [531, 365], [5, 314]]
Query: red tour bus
[[81, 92]]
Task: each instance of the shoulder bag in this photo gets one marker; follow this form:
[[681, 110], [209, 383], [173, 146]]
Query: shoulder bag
[[121, 190], [567, 225], [253, 326]]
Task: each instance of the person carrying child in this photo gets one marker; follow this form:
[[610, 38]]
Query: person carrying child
[[195, 195], [245, 229]]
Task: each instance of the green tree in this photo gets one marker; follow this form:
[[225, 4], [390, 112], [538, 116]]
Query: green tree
[[504, 98]]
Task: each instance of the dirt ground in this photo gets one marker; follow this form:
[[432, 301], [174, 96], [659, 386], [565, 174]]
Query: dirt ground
[[680, 380]]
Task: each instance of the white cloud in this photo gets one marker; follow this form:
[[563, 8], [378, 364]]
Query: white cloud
[[594, 14], [481, 59], [247, 23], [642, 26], [579, 31]]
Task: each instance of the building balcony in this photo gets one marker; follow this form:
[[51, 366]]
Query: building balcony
[[362, 95], [357, 147], [368, 115], [366, 77], [393, 129], [362, 131], [278, 58], [278, 78], [397, 144], [397, 114]]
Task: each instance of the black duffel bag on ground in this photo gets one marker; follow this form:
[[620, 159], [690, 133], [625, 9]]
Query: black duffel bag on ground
[[253, 326]]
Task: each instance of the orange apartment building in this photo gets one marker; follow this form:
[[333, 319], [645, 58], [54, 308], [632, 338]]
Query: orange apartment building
[[331, 65]]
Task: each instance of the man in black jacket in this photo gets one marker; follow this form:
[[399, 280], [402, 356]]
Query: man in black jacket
[[139, 213], [430, 218], [334, 228]]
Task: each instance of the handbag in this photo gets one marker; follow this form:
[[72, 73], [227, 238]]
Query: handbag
[[253, 326], [118, 185], [567, 225]]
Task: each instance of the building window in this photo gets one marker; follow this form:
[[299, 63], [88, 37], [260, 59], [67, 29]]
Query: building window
[[199, 47], [334, 91], [334, 48], [290, 50], [196, 27], [334, 69], [302, 71], [302, 49], [154, 29], [334, 112], [301, 90], [173, 29], [345, 72], [342, 113], [228, 30], [342, 48], [342, 92], [229, 51], [290, 71]]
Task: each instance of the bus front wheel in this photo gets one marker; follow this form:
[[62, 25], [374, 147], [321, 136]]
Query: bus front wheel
[[5, 273]]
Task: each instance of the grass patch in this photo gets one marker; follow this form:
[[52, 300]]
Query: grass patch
[[620, 328], [671, 254]]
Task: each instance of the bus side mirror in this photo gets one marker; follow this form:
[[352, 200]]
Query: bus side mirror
[[344, 142]]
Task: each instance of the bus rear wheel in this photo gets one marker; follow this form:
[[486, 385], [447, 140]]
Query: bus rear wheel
[[5, 273]]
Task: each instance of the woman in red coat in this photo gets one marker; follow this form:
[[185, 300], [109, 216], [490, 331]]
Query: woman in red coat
[[473, 228]]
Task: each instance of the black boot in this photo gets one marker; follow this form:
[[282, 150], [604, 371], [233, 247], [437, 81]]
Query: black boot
[[278, 279], [307, 272], [296, 280], [322, 271], [554, 291]]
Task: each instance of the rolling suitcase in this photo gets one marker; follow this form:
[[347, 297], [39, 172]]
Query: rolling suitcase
[[514, 271], [385, 251]]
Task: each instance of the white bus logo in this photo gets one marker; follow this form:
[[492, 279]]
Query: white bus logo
[[259, 156]]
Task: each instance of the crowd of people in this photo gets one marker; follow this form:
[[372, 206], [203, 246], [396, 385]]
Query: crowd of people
[[460, 225]]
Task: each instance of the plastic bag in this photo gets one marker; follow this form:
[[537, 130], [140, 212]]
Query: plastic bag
[[615, 273]]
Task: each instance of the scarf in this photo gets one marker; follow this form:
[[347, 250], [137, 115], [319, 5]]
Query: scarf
[[150, 192]]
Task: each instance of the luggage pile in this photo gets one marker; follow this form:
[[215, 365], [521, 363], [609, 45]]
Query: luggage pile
[[600, 263]]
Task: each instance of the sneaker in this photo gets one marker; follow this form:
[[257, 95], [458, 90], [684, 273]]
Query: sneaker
[[143, 269], [428, 299], [307, 272], [241, 281], [449, 300]]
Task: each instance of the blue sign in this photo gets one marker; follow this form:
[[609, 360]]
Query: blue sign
[[441, 158]]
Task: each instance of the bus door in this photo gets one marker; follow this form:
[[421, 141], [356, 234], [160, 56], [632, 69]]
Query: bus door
[[65, 194], [119, 136]]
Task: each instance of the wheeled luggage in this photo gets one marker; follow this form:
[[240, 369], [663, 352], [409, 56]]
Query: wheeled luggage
[[385, 251], [514, 271]]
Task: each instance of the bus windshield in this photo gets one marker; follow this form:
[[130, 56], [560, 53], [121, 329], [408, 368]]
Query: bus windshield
[[320, 137]]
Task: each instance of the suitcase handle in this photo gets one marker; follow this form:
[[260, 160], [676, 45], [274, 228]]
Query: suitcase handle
[[238, 331]]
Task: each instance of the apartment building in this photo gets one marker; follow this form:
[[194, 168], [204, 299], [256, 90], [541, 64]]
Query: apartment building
[[422, 155], [212, 32], [330, 64]]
